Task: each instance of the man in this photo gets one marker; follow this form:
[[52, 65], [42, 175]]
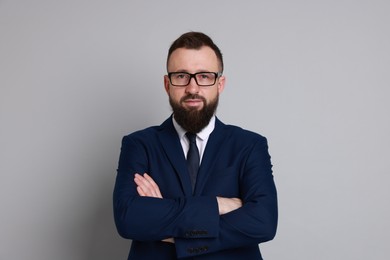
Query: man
[[194, 187]]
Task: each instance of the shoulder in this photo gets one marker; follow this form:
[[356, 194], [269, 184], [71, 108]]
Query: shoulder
[[142, 133], [151, 133], [238, 133]]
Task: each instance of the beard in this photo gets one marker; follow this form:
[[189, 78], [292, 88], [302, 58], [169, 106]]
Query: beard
[[193, 120]]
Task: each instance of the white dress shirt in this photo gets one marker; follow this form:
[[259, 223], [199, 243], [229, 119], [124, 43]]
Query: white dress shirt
[[201, 138]]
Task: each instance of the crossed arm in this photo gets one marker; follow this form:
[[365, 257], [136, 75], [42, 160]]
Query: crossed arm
[[146, 187], [251, 218]]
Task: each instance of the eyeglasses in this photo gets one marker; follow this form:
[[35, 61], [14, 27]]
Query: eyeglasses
[[201, 78]]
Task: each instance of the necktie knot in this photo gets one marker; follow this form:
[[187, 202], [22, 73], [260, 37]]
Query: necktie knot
[[191, 137]]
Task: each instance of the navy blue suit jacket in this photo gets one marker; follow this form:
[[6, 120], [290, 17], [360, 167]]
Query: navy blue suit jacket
[[236, 163]]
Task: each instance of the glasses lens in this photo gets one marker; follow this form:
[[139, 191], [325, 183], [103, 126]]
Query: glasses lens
[[205, 78], [180, 79]]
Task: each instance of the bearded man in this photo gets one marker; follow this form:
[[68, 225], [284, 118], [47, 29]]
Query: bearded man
[[193, 187]]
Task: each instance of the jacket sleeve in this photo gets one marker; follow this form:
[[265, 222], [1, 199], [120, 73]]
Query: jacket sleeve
[[153, 219], [255, 221], [194, 222]]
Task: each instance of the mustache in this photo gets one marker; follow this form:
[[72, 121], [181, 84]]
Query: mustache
[[192, 96]]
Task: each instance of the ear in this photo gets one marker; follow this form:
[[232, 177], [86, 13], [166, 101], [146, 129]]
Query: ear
[[221, 84], [166, 83]]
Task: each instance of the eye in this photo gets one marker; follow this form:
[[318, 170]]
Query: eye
[[180, 75], [204, 76]]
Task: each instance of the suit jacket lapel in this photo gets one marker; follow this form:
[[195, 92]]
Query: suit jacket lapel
[[171, 144], [210, 156]]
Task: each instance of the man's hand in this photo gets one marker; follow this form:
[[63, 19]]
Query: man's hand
[[226, 205], [146, 187]]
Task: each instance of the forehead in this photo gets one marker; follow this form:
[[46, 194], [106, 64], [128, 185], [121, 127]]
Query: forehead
[[192, 60]]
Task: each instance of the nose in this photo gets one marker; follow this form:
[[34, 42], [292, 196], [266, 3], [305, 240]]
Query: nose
[[192, 87]]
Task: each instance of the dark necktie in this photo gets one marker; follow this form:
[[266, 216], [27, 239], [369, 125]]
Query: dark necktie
[[192, 159]]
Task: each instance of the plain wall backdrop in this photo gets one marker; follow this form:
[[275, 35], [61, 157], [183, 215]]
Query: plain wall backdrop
[[312, 76]]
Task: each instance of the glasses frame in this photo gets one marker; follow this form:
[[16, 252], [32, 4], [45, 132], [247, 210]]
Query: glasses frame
[[193, 75]]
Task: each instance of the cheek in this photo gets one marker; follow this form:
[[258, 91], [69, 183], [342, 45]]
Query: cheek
[[211, 95], [176, 94]]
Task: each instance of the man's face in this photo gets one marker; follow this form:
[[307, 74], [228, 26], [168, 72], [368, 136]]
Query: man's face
[[193, 105]]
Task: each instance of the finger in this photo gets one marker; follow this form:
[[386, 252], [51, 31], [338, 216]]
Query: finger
[[140, 192], [143, 184], [154, 185], [150, 179], [138, 180], [147, 187], [150, 185]]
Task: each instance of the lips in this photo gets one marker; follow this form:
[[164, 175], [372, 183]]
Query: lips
[[193, 102], [193, 98]]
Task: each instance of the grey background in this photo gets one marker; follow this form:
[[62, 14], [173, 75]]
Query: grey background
[[312, 76]]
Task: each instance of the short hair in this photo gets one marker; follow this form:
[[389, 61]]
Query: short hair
[[195, 40]]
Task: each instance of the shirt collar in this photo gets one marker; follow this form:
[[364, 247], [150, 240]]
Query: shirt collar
[[203, 135]]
